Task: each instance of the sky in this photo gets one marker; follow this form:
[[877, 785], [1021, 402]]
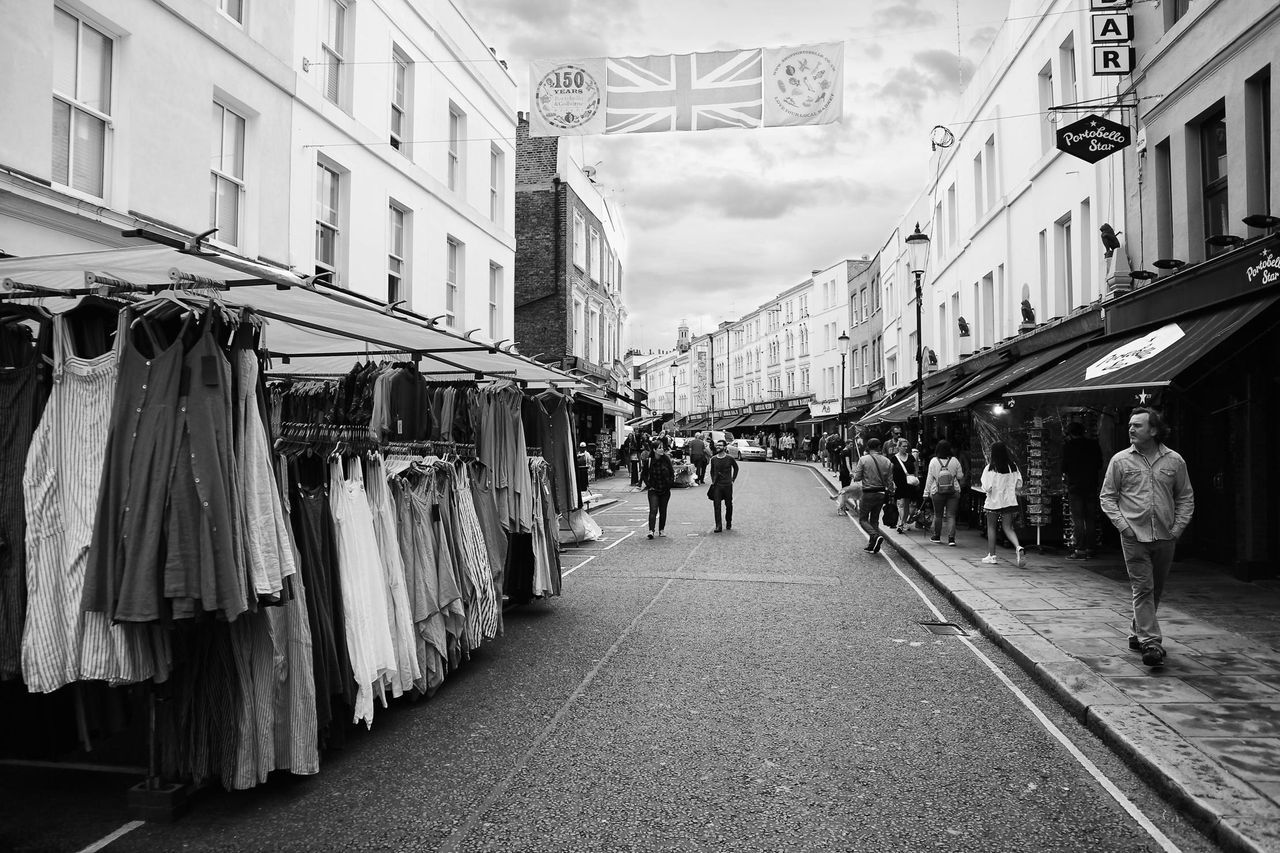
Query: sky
[[719, 221]]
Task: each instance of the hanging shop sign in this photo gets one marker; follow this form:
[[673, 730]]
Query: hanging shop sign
[[1111, 28], [1135, 352], [1093, 138]]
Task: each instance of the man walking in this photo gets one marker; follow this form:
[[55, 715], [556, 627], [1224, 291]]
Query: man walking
[[724, 470], [698, 455], [1148, 497], [876, 475], [661, 475], [1081, 463]]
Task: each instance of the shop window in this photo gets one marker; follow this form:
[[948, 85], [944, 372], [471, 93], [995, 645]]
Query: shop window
[[1213, 172]]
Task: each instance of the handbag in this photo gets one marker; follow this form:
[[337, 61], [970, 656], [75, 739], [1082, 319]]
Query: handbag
[[891, 513], [913, 480]]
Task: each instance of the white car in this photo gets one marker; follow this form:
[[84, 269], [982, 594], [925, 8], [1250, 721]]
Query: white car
[[744, 449]]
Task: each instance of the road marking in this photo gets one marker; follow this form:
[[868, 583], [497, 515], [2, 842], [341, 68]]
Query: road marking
[[115, 836], [620, 540], [1092, 769], [580, 565], [460, 834]]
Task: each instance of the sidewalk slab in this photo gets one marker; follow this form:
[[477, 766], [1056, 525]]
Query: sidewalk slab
[[1204, 728]]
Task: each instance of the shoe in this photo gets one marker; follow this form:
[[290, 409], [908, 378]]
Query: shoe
[[650, 534], [875, 548], [662, 533], [991, 559], [1077, 555], [1153, 654], [952, 542], [870, 546], [728, 527], [935, 538], [717, 530], [1022, 557], [901, 529], [1134, 644]]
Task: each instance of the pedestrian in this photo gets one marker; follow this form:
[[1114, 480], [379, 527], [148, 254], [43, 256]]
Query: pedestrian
[[662, 475], [724, 470], [1148, 497], [813, 447], [906, 483], [875, 473], [942, 488], [835, 447], [646, 455], [1081, 465], [1002, 484], [584, 463], [630, 451], [698, 455]]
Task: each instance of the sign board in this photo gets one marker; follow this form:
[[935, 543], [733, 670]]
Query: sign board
[[1109, 5], [1136, 351], [1112, 28], [1093, 138], [1112, 60]]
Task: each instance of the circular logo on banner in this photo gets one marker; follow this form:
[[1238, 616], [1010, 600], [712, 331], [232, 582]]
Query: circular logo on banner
[[567, 97], [805, 80]]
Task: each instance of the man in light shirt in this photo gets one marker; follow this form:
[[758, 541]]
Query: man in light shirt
[[1148, 497]]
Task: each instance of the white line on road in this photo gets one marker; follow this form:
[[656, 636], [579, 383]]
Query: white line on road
[[1092, 769], [580, 565], [620, 540], [115, 836]]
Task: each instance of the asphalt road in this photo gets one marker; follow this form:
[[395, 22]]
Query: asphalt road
[[769, 688]]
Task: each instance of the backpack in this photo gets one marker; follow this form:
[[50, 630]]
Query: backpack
[[945, 483]]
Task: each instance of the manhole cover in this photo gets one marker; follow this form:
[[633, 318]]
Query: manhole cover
[[945, 628]]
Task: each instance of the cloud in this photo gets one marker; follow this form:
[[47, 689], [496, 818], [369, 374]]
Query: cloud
[[657, 204], [905, 15]]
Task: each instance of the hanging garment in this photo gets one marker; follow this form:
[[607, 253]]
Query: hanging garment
[[296, 726], [313, 532], [435, 496], [23, 390], [558, 450], [204, 567], [270, 556], [421, 601], [486, 504], [127, 554], [364, 597], [484, 615], [446, 620], [546, 542], [61, 644], [399, 614]]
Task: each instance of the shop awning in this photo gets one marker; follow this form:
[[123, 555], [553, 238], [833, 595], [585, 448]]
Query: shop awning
[[726, 422], [642, 422], [991, 382], [695, 422], [787, 417], [903, 409], [606, 402], [754, 420], [820, 419], [313, 328], [1153, 359]]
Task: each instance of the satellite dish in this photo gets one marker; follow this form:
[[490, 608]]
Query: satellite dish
[[941, 137], [590, 172]]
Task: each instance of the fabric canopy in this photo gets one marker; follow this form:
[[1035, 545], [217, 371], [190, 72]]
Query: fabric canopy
[[786, 417], [319, 329], [990, 382], [728, 422], [1154, 358], [610, 405], [753, 420]]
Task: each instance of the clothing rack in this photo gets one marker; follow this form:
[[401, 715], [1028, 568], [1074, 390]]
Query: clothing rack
[[431, 448]]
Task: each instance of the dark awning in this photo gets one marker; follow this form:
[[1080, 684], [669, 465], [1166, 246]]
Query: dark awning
[[697, 422], [816, 419], [786, 417], [753, 420], [726, 421], [991, 382], [1153, 359]]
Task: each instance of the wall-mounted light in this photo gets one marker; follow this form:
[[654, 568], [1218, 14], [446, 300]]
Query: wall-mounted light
[[1261, 220], [1224, 240], [1169, 263]]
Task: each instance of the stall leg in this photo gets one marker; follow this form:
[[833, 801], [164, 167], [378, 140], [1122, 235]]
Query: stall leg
[[153, 799]]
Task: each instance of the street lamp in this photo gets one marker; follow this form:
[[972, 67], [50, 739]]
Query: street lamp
[[917, 256], [844, 351]]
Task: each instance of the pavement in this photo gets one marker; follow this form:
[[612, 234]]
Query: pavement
[[1204, 728]]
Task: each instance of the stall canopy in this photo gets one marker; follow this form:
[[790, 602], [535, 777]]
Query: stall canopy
[[698, 422], [1150, 360], [727, 422], [753, 420], [992, 381], [606, 401], [787, 417], [314, 328]]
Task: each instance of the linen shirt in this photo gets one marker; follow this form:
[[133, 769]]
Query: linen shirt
[[1001, 489], [1155, 500]]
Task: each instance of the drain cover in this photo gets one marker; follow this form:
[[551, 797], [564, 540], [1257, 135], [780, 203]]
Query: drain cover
[[944, 628]]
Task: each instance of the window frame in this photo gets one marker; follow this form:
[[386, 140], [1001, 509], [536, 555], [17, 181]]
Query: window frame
[[455, 149], [495, 300], [74, 104], [497, 164], [238, 181], [334, 54], [333, 227], [453, 270], [1215, 191], [238, 21], [398, 254], [401, 64]]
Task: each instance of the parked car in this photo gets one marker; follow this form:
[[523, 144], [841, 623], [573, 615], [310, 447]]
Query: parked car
[[744, 449]]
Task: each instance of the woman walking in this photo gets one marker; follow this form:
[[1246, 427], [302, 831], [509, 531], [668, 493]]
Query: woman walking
[[661, 475], [906, 483], [1002, 482], [946, 478]]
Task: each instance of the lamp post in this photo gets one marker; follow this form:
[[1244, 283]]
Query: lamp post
[[917, 256], [844, 351]]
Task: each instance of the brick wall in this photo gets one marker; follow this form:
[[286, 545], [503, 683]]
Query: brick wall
[[535, 156]]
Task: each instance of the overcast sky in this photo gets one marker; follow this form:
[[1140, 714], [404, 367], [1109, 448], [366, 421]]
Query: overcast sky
[[719, 221]]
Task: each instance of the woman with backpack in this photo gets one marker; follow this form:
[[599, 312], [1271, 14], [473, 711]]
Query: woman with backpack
[[942, 487], [1002, 482]]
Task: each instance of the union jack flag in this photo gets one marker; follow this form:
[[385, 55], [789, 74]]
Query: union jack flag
[[692, 91]]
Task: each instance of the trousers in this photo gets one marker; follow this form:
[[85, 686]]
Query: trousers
[[1082, 503], [727, 501], [658, 509], [1148, 564]]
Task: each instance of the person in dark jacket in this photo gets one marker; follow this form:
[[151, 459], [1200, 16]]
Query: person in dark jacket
[[1081, 470], [724, 470], [699, 456], [661, 475]]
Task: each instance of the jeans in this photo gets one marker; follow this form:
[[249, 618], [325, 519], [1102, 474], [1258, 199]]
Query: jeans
[[1082, 503], [658, 509], [869, 508], [634, 466], [1148, 564], [700, 467], [945, 505], [727, 500]]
